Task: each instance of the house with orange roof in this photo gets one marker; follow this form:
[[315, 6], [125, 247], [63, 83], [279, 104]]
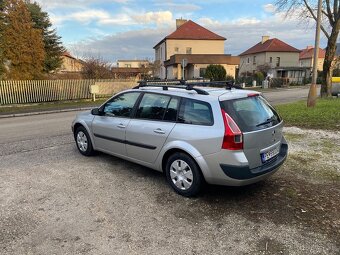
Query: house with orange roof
[[275, 57], [307, 57], [191, 48], [70, 64]]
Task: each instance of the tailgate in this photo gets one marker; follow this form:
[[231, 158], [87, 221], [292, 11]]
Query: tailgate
[[262, 143]]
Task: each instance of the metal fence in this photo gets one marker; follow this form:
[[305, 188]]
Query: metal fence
[[35, 91]]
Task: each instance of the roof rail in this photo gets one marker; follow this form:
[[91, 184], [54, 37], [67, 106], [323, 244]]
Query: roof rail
[[188, 85], [179, 84]]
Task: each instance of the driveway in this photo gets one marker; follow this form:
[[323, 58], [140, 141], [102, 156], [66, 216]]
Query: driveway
[[55, 201]]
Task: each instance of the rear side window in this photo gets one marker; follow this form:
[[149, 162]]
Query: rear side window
[[195, 112], [152, 106], [171, 112], [251, 113]]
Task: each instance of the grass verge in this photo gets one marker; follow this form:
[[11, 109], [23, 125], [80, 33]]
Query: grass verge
[[325, 115], [50, 106]]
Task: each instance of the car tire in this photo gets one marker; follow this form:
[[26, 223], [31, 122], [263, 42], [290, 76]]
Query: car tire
[[83, 141], [184, 175]]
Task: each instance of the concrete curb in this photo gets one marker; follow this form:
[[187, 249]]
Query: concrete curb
[[44, 112]]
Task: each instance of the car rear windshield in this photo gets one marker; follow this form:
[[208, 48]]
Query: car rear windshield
[[251, 113]]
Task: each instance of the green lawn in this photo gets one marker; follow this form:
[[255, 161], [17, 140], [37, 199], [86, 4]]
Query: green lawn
[[325, 115], [62, 105]]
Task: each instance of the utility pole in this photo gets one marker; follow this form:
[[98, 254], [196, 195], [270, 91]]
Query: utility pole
[[312, 95]]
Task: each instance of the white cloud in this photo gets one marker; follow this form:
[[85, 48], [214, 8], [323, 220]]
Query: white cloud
[[162, 17], [241, 33], [132, 44], [76, 4], [179, 7], [270, 8], [125, 18]]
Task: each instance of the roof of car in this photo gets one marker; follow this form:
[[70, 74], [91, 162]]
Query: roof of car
[[213, 93]]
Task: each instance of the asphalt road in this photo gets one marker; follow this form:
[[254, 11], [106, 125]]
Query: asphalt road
[[281, 96], [55, 201]]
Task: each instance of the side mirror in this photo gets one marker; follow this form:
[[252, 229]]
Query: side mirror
[[95, 111]]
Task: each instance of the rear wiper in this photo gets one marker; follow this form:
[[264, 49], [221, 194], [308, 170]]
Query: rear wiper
[[270, 120]]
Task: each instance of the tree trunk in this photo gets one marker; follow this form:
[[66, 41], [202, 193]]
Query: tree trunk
[[326, 87]]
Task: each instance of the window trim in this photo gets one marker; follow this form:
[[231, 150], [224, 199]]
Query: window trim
[[200, 101]]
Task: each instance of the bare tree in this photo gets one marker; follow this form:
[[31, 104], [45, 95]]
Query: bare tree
[[95, 68], [330, 27]]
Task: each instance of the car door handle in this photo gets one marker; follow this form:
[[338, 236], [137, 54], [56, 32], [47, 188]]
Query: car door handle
[[159, 131], [121, 125]]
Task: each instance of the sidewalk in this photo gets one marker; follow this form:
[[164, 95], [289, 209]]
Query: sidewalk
[[48, 108], [2, 116]]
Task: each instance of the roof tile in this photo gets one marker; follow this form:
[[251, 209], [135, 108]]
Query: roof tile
[[271, 45], [193, 31], [309, 53]]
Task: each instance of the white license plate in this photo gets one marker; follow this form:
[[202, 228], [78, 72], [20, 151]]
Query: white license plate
[[270, 154]]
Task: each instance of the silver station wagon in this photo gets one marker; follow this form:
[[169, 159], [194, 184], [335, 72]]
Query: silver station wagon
[[195, 135]]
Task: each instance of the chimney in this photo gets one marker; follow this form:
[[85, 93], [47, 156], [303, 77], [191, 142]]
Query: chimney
[[265, 38], [310, 47], [180, 22]]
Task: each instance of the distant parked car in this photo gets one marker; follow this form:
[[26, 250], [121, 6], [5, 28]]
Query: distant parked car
[[194, 135], [336, 86]]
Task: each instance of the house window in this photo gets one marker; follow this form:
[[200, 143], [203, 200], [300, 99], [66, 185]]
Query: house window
[[248, 60], [176, 49], [128, 65], [278, 61], [254, 60], [189, 50], [202, 72], [270, 60]]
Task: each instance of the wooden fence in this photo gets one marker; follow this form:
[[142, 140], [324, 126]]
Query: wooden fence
[[35, 91]]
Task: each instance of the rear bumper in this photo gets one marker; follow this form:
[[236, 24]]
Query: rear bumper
[[231, 168], [246, 173]]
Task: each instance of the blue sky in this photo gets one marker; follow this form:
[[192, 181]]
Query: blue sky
[[128, 29]]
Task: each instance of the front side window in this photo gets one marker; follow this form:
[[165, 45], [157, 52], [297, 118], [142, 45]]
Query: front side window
[[195, 112], [152, 106], [189, 50], [122, 105]]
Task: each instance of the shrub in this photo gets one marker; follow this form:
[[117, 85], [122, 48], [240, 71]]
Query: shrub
[[230, 78], [215, 73]]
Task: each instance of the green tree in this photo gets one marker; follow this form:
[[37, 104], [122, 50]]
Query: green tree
[[23, 45], [52, 42], [215, 73]]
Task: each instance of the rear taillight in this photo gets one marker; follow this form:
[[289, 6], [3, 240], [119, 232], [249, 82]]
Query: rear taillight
[[233, 137]]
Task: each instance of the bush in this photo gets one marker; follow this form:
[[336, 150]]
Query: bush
[[215, 73], [336, 72], [258, 76], [230, 78]]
